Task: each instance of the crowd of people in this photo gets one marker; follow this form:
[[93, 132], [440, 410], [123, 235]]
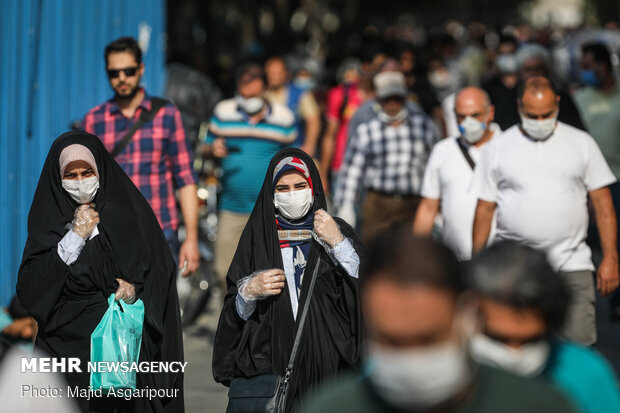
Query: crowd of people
[[473, 188]]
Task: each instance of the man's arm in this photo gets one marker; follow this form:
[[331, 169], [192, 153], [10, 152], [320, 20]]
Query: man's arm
[[482, 225], [425, 216], [189, 208], [606, 221], [312, 117]]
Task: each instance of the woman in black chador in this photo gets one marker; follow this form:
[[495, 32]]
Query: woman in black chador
[[268, 280], [91, 233]]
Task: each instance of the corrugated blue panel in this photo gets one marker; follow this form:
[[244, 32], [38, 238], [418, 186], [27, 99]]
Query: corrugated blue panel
[[51, 72]]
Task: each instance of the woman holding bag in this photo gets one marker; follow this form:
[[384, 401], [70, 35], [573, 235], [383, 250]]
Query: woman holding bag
[[91, 233], [294, 272]]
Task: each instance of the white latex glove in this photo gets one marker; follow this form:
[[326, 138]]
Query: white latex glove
[[126, 292], [85, 220], [326, 228], [347, 213], [261, 284]]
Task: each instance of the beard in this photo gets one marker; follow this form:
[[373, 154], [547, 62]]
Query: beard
[[128, 94]]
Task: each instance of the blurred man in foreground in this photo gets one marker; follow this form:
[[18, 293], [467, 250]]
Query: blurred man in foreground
[[417, 356], [538, 175], [523, 304], [450, 169]]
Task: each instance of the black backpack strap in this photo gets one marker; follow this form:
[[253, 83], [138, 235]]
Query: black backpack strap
[[302, 320], [145, 116], [465, 152]]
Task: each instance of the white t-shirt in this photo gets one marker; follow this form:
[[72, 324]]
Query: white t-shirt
[[448, 178], [541, 187]]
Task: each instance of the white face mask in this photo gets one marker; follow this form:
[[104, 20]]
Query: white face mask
[[293, 204], [399, 117], [538, 129], [251, 106], [418, 378], [472, 130], [82, 191], [529, 360]]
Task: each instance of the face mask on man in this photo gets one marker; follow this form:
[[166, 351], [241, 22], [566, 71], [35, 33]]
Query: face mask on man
[[589, 78], [252, 105], [539, 129], [472, 129], [389, 119], [293, 204], [529, 360], [419, 378], [82, 191]]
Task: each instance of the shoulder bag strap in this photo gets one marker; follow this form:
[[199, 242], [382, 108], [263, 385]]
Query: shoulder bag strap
[[465, 152], [145, 116], [302, 321]]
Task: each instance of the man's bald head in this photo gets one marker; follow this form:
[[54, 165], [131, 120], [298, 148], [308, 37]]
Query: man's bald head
[[538, 98], [474, 102]]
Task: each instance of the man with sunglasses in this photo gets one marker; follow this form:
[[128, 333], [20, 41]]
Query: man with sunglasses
[[523, 304], [157, 155]]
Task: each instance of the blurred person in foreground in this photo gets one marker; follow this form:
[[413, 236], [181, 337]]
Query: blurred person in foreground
[[289, 234], [157, 157], [599, 104], [538, 175], [342, 102], [534, 60], [449, 171], [523, 304], [417, 358], [244, 133], [386, 156], [300, 101]]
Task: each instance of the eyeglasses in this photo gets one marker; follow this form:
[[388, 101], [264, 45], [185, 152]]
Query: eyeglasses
[[129, 71]]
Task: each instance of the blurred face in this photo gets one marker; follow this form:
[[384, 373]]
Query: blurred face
[[124, 74], [533, 67], [588, 63], [506, 48], [291, 181], [351, 76], [276, 72], [251, 89], [474, 106], [408, 316], [539, 105], [392, 105], [78, 170], [510, 326], [407, 61]]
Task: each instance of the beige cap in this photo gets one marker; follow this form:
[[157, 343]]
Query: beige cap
[[390, 84], [76, 152]]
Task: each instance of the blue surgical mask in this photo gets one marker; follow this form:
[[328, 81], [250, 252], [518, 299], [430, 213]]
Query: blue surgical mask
[[589, 78], [305, 83]]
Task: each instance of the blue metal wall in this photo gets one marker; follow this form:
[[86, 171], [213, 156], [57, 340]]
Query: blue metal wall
[[51, 73]]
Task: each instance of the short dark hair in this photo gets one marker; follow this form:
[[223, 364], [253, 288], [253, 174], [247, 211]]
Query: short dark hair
[[248, 72], [520, 277], [124, 44], [537, 83], [599, 52], [410, 259]]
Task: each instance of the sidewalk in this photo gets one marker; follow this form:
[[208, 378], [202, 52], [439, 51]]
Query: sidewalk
[[202, 393]]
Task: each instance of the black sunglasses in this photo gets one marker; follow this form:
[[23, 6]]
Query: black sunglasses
[[129, 71]]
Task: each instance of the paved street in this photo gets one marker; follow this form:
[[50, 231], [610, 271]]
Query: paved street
[[202, 393]]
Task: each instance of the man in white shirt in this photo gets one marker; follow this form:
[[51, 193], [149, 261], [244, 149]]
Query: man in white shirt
[[450, 169], [537, 175]]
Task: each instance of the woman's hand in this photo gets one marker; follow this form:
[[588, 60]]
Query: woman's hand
[[126, 292], [85, 220], [262, 284], [326, 228]]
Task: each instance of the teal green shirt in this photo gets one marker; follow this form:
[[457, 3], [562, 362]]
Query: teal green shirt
[[601, 115], [585, 377]]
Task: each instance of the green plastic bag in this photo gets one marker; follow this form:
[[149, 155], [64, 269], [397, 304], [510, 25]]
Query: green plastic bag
[[116, 342]]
